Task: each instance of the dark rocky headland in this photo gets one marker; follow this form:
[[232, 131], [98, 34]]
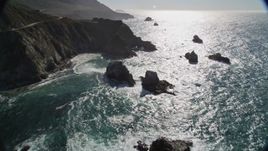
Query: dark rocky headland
[[75, 9], [33, 45]]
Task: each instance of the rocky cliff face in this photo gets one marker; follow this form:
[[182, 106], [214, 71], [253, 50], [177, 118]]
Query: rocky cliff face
[[76, 9], [31, 48], [20, 16]]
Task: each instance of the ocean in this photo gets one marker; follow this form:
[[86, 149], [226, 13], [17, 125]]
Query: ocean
[[219, 107]]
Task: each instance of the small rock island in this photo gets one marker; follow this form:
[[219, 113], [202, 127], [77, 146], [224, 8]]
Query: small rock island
[[192, 57], [164, 144], [152, 83], [148, 19], [197, 39], [218, 57], [118, 72]]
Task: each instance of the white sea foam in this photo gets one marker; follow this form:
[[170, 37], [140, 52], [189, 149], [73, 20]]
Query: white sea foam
[[35, 143], [82, 65]]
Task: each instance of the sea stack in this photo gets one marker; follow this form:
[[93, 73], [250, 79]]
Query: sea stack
[[152, 83], [198, 40], [148, 19], [119, 73], [164, 144], [192, 57], [218, 57]]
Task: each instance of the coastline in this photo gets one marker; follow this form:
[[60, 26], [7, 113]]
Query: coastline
[[48, 46]]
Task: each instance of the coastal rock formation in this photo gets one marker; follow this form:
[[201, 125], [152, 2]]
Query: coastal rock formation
[[118, 72], [163, 144], [198, 84], [198, 40], [148, 19], [192, 57], [220, 58], [152, 83], [33, 45], [75, 9]]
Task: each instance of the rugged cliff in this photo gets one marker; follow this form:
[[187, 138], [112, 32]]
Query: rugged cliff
[[32, 44], [75, 9]]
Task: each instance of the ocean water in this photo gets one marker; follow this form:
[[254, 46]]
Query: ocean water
[[76, 110]]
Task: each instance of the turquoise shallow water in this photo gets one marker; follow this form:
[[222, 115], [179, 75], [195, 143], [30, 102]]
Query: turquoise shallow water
[[76, 110]]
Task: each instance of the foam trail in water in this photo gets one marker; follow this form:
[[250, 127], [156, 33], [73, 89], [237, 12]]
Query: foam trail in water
[[82, 64]]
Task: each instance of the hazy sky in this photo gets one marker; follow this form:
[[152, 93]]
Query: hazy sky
[[186, 4]]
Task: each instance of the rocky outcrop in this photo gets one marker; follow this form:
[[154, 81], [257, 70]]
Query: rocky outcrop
[[148, 19], [152, 83], [198, 40], [163, 144], [192, 57], [19, 16], [75, 9], [31, 52], [218, 57], [116, 71]]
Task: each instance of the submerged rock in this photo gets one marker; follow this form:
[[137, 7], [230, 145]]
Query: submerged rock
[[155, 24], [152, 83], [163, 144], [192, 57], [220, 58], [198, 40], [141, 146], [148, 19], [118, 72]]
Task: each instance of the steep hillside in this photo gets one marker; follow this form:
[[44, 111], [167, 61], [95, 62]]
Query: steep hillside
[[28, 53], [19, 16], [76, 9]]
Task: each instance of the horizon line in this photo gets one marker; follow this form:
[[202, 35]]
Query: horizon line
[[207, 10]]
